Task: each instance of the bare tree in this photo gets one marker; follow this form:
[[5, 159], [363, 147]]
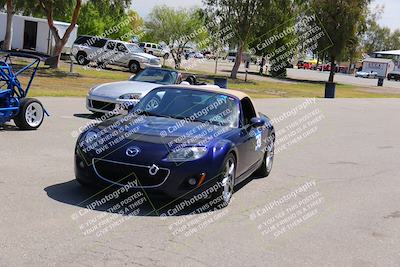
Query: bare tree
[[240, 16], [48, 6]]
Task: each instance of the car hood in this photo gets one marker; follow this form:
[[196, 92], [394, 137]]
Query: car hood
[[116, 89], [145, 55], [160, 130]]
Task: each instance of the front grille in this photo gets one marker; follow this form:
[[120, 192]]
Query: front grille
[[102, 105], [124, 173]]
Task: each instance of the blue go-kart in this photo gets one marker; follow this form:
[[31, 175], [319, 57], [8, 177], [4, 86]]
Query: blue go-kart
[[27, 113]]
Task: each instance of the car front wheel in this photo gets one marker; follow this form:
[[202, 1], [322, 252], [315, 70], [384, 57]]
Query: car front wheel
[[134, 67], [227, 181]]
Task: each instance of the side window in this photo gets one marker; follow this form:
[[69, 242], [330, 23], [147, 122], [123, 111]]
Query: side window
[[121, 47], [110, 45], [99, 43], [83, 40], [141, 45], [154, 46], [247, 110], [148, 45]]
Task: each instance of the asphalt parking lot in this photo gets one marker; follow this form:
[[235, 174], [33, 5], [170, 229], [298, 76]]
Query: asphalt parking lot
[[332, 198], [225, 67]]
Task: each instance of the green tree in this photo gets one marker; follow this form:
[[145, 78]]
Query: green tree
[[98, 17], [240, 16], [176, 27], [278, 16], [376, 37], [341, 20]]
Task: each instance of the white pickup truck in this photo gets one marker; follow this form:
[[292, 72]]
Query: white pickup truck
[[104, 52]]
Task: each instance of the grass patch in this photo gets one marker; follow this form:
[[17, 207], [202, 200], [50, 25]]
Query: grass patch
[[60, 83]]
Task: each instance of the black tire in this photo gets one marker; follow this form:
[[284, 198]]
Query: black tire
[[23, 120], [82, 59], [150, 53], [265, 169], [223, 202], [134, 67], [166, 56]]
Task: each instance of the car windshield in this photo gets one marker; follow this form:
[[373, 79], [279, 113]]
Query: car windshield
[[134, 48], [190, 105], [156, 75]]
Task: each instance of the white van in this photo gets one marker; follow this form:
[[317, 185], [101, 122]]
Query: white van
[[154, 49]]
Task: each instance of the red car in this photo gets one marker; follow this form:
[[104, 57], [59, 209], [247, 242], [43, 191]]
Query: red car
[[327, 67]]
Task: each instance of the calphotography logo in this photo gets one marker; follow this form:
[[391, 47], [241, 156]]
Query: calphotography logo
[[132, 151]]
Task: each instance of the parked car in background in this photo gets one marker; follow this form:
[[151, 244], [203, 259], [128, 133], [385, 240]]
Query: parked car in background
[[154, 49], [327, 67], [394, 75], [104, 52], [364, 74], [118, 96], [209, 55], [198, 55], [231, 56]]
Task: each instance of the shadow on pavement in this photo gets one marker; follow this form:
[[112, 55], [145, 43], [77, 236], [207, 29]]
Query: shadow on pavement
[[133, 203], [89, 116], [8, 128]]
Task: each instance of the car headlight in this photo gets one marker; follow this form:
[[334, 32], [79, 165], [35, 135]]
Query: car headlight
[[187, 154], [131, 96], [90, 137]]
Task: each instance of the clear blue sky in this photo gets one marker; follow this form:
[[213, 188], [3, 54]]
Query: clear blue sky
[[390, 17]]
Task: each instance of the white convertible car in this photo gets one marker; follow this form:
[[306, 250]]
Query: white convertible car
[[364, 74], [118, 96]]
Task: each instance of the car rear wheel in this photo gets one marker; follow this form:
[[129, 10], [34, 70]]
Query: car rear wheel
[[31, 114], [268, 160], [81, 57]]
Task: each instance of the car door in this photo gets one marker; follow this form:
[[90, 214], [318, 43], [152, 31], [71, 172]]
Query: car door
[[122, 55], [155, 50], [108, 54], [148, 48], [250, 137]]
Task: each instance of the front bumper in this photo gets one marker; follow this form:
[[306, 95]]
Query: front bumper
[[149, 65], [171, 179], [109, 105]]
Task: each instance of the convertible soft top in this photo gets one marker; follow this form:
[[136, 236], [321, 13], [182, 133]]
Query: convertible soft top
[[211, 88]]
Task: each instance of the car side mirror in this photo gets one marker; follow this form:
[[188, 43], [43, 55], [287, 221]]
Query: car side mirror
[[257, 122]]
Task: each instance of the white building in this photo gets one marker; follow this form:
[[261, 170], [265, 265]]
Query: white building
[[382, 66], [34, 33], [394, 55]]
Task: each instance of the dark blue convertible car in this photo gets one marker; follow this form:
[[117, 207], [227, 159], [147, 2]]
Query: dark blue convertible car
[[195, 140]]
